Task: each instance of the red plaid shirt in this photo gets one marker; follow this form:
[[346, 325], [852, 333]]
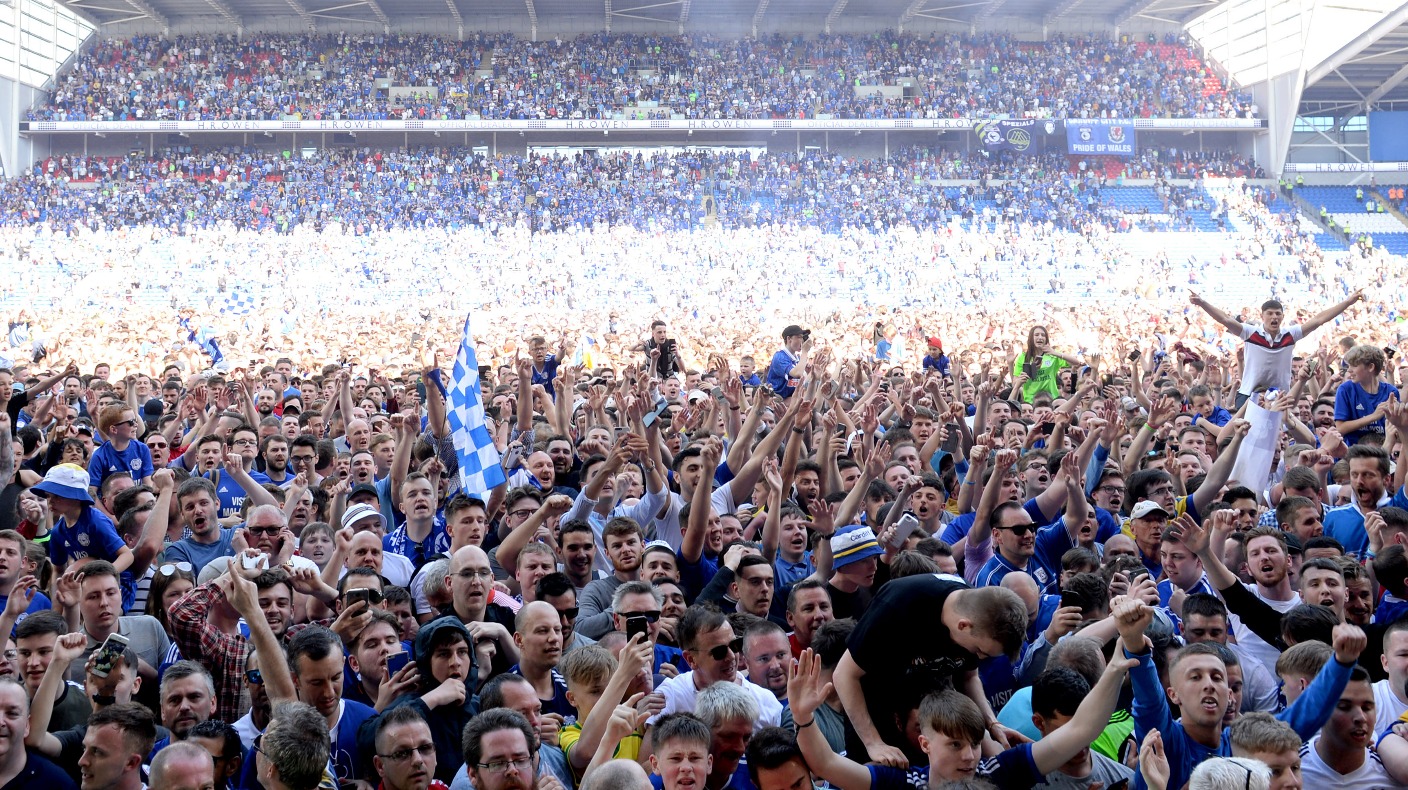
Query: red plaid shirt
[[221, 653]]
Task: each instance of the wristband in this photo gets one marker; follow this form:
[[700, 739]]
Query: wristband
[[808, 724]]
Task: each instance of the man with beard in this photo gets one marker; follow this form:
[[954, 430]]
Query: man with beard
[[624, 543], [405, 754], [1269, 563], [274, 453], [187, 699], [198, 502], [711, 649], [549, 764], [1368, 478], [769, 657], [538, 637], [265, 402]]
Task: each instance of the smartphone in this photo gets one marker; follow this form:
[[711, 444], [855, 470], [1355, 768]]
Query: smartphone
[[250, 562], [904, 528], [112, 648], [718, 393], [1133, 356], [661, 406], [1073, 598], [396, 661], [1045, 429], [353, 596], [637, 625], [1122, 784]]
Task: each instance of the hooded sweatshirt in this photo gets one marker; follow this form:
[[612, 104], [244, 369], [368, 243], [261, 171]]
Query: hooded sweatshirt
[[446, 722]]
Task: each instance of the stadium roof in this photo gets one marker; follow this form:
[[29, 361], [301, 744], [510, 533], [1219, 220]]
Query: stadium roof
[[803, 15]]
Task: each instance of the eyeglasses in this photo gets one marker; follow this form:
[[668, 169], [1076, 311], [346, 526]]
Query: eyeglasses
[[1157, 492], [402, 755], [157, 445], [522, 513], [243, 443], [501, 766], [258, 744], [650, 617], [570, 613], [304, 459], [11, 655], [253, 677], [271, 531], [470, 574], [720, 652], [1110, 489], [1020, 530], [171, 567]]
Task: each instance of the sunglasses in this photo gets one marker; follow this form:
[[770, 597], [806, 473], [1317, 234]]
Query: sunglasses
[[723, 651], [570, 613], [1020, 530], [253, 677], [264, 530], [171, 567]]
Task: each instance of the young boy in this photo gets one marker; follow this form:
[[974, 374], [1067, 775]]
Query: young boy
[[952, 736], [1056, 697], [1207, 415], [1360, 402], [1261, 737], [82, 532], [681, 758], [122, 453], [596, 682]]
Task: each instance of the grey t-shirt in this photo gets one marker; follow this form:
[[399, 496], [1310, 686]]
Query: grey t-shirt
[[145, 636], [1102, 769]]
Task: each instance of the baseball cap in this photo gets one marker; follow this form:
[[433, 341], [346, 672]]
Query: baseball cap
[[69, 481], [934, 342], [793, 329], [363, 488], [358, 512], [853, 544], [1145, 507], [84, 426]]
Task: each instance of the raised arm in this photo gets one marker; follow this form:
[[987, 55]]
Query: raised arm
[[692, 547], [1221, 469], [635, 657], [1232, 324], [509, 549], [243, 596], [1199, 540], [1090, 719], [67, 649], [806, 694], [1003, 461], [1329, 313], [234, 467]]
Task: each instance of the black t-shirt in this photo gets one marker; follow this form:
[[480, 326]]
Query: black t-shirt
[[18, 401], [849, 604], [39, 772], [900, 641]]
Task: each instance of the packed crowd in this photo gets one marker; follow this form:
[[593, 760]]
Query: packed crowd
[[489, 76], [359, 190], [1161, 565]]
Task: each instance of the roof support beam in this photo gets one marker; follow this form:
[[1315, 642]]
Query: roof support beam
[[304, 14], [1361, 42], [988, 10], [1066, 7], [758, 15], [459, 20], [224, 10], [835, 14], [151, 13], [380, 14], [1133, 10], [532, 17], [1388, 85], [80, 10], [909, 13], [684, 15]]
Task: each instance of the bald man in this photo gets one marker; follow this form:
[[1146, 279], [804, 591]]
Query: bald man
[[617, 775], [183, 766], [538, 637], [471, 583]]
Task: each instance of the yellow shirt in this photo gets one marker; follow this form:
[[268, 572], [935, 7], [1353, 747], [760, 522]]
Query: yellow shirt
[[628, 749]]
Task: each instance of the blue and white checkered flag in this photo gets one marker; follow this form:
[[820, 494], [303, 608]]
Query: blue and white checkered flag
[[480, 471], [237, 304]]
